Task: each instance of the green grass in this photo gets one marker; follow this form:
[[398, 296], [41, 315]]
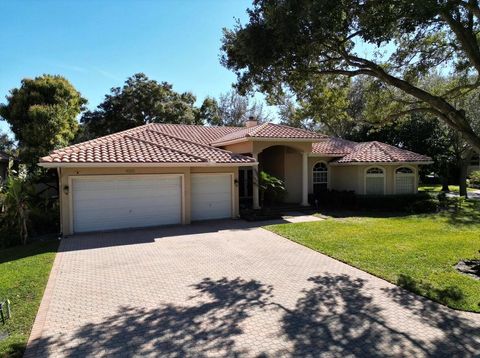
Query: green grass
[[438, 188], [416, 252], [24, 273]]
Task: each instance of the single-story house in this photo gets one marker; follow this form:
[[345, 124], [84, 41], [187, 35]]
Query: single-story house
[[160, 174]]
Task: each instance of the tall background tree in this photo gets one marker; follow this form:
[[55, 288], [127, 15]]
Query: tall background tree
[[7, 145], [232, 109], [140, 101], [42, 114], [288, 44]]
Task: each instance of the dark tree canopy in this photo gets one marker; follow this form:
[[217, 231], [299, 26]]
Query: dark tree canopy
[[6, 143], [42, 114], [288, 44], [140, 101]]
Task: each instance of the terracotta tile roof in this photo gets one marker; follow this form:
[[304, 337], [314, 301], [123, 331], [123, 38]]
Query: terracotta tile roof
[[377, 152], [170, 143], [269, 130], [195, 133], [332, 146], [142, 145]]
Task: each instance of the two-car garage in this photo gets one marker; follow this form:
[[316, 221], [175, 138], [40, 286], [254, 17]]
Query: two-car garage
[[109, 202]]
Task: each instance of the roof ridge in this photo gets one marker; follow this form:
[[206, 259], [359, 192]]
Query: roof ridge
[[381, 147], [256, 129], [301, 129], [191, 141], [165, 147]]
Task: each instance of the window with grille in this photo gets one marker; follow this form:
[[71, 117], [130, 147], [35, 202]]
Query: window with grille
[[320, 177], [404, 181], [375, 181]]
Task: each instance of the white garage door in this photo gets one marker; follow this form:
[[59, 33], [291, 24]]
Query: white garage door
[[211, 196], [116, 202]]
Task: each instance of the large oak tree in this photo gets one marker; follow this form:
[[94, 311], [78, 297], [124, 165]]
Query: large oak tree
[[42, 114], [139, 101], [289, 44]]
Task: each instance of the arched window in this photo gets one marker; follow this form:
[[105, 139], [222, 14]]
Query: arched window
[[375, 181], [320, 177], [404, 180]]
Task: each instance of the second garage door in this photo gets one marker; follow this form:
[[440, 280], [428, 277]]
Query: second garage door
[[117, 201], [211, 196]]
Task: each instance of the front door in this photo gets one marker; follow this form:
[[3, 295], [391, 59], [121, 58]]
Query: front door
[[245, 186]]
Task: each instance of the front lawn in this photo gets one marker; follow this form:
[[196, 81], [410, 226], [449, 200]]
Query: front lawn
[[416, 252], [438, 188], [24, 273]]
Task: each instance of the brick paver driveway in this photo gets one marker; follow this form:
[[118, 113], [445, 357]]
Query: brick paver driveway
[[226, 289]]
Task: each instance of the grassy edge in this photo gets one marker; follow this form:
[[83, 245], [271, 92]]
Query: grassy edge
[[15, 344]]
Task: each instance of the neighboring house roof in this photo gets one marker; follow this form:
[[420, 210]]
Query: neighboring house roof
[[172, 143], [143, 145], [268, 130], [377, 152]]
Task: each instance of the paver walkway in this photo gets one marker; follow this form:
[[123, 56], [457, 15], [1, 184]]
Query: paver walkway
[[230, 289]]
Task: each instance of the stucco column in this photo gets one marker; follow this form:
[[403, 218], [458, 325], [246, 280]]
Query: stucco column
[[305, 179], [256, 193]]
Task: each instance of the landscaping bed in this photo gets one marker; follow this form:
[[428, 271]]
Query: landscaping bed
[[24, 272], [418, 252]]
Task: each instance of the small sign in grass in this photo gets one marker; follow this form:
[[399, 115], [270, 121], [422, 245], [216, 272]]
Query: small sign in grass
[[24, 272]]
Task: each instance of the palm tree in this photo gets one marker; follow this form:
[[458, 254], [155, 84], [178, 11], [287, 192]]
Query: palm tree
[[16, 203]]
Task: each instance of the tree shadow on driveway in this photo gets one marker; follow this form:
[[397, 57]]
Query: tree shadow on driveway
[[335, 314], [207, 327], [461, 335]]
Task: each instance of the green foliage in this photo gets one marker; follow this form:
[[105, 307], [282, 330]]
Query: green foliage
[[17, 205], [424, 248], [24, 274], [42, 115], [140, 101], [288, 46], [6, 144], [232, 109], [270, 187], [424, 206], [475, 178]]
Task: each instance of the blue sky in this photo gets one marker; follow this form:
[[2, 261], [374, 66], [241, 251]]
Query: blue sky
[[98, 44]]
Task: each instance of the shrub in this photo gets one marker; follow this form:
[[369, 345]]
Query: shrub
[[348, 200], [396, 202], [475, 178], [271, 188], [424, 206]]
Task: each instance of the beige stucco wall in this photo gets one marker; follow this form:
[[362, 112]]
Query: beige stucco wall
[[66, 173], [242, 148], [352, 177], [300, 146]]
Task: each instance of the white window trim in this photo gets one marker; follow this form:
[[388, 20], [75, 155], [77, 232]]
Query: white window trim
[[414, 174], [328, 173], [365, 175]]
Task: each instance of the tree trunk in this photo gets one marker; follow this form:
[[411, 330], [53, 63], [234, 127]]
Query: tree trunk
[[445, 184], [463, 178], [464, 163]]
